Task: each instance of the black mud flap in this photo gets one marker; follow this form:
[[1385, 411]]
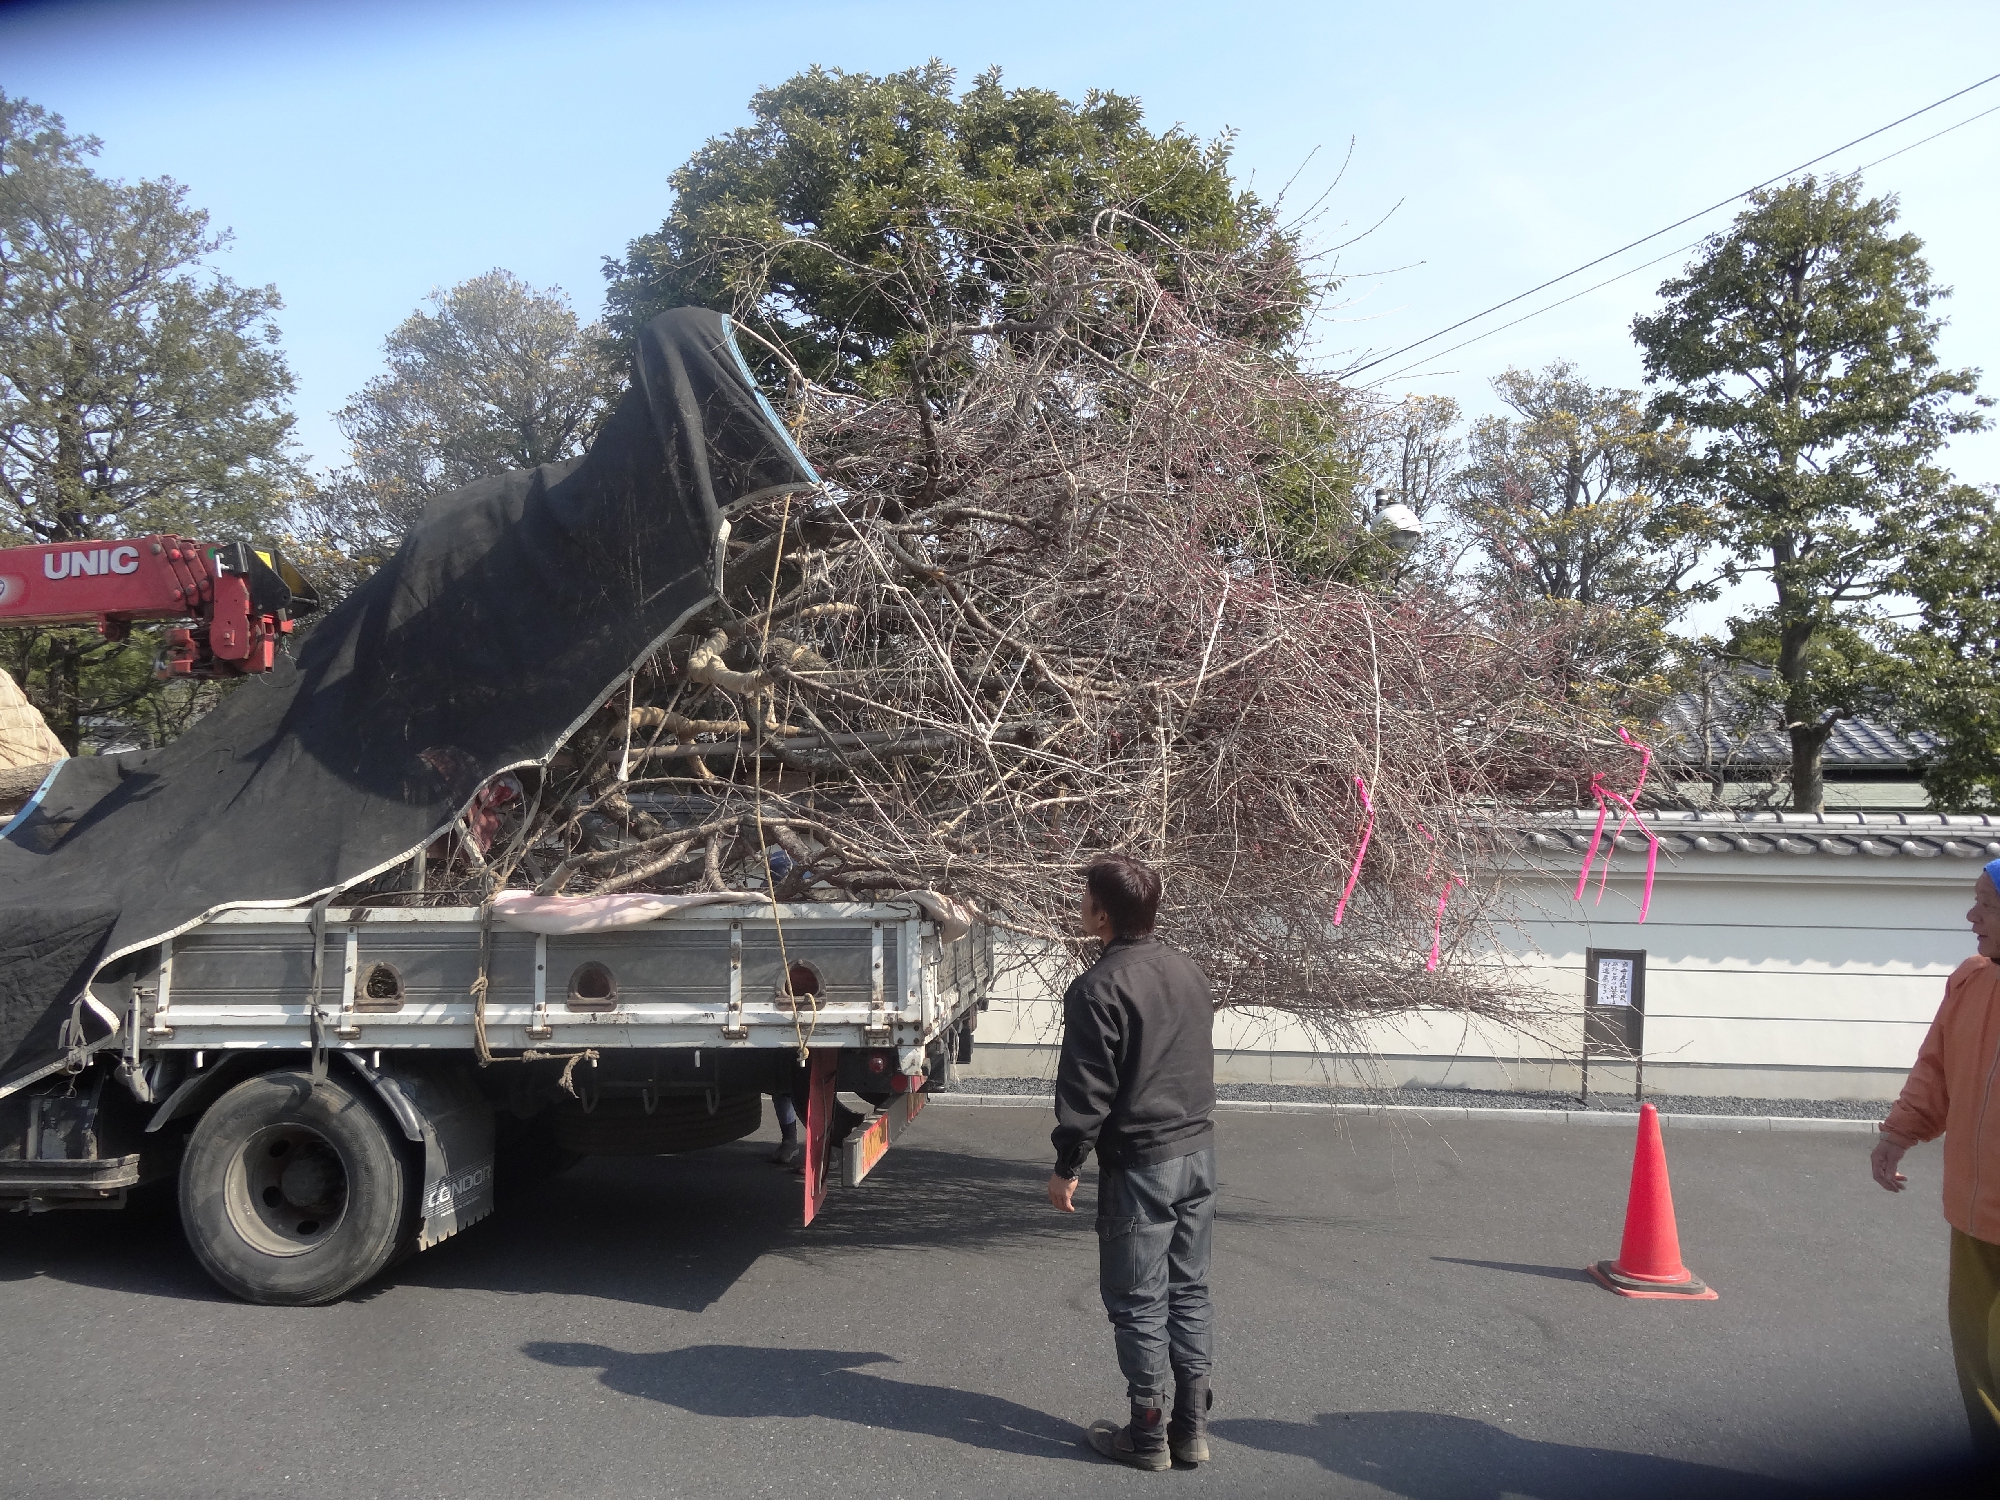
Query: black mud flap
[[443, 1112]]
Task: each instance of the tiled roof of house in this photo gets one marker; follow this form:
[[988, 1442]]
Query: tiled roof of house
[[1742, 734]]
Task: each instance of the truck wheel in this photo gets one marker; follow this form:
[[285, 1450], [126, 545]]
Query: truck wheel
[[293, 1195]]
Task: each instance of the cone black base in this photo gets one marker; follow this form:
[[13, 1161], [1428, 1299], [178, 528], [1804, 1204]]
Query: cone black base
[[1694, 1289]]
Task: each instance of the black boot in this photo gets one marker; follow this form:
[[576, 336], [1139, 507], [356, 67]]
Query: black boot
[[1187, 1432], [1141, 1443]]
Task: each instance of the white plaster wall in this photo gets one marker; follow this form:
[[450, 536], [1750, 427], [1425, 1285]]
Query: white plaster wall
[[1766, 975]]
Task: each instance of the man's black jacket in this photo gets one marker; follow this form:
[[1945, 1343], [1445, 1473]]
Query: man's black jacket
[[1137, 1077]]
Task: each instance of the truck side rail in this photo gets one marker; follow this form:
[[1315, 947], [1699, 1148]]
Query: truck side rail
[[882, 976]]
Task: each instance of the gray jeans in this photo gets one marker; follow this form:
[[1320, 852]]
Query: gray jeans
[[1154, 1225]]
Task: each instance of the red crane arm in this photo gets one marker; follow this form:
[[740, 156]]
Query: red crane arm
[[242, 600]]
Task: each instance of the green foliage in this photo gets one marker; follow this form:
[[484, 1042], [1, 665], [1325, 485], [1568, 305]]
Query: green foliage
[[140, 390], [856, 209], [1312, 474], [498, 377], [1617, 663], [1800, 348], [1574, 498], [1843, 672], [1949, 677]]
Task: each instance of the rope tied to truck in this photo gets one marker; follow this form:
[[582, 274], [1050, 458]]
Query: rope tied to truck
[[567, 1082], [314, 1021], [481, 1049], [804, 1035]]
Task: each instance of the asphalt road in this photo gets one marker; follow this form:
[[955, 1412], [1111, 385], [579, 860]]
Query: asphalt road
[[1400, 1312]]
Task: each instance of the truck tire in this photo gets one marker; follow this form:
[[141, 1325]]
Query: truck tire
[[940, 1060], [294, 1195]]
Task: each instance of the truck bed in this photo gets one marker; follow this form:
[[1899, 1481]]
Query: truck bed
[[710, 977]]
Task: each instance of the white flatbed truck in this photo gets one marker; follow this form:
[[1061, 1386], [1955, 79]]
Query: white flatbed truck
[[316, 1080]]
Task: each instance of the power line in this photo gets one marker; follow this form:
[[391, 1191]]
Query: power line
[[1670, 228], [1870, 166], [1525, 317], [1644, 265]]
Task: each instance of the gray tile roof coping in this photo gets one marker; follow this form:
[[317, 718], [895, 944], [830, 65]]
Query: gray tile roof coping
[[1881, 835]]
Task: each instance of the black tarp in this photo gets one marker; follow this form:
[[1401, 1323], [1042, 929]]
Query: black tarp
[[516, 606]]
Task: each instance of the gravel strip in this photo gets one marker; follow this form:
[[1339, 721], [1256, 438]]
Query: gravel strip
[[1042, 1087], [1435, 1098]]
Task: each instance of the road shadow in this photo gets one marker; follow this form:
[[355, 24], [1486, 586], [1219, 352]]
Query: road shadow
[[1429, 1456], [667, 1231], [732, 1380], [1553, 1273], [137, 1249], [678, 1231]]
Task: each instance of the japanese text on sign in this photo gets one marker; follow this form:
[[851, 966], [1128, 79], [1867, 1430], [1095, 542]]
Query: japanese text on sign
[[1614, 981]]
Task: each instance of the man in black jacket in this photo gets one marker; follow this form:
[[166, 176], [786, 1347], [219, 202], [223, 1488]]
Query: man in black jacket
[[1137, 1082]]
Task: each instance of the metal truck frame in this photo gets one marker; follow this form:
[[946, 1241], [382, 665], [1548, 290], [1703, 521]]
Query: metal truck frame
[[336, 1087]]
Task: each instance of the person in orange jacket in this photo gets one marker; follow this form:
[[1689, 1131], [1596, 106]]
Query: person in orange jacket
[[1948, 1093]]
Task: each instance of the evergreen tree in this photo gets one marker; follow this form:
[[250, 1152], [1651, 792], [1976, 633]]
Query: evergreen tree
[[856, 209], [1573, 498], [1800, 349], [497, 376], [1948, 677], [140, 391]]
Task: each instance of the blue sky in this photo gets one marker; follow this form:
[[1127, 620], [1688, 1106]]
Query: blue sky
[[365, 154]]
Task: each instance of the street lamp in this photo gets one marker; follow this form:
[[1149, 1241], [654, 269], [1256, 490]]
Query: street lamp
[[1399, 527]]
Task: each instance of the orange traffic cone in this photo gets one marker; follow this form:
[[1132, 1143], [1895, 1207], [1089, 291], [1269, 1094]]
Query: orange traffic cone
[[1649, 1258]]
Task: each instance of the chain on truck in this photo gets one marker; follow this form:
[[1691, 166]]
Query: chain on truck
[[337, 1085]]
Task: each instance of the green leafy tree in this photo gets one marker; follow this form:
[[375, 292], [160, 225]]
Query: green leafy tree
[[1573, 498], [1313, 471], [855, 211], [1800, 348], [497, 376], [140, 391], [1948, 682]]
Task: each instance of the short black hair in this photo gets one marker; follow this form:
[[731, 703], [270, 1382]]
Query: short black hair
[[1127, 890]]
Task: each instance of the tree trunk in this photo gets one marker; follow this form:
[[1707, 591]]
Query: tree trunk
[[1802, 714], [61, 697], [1808, 775]]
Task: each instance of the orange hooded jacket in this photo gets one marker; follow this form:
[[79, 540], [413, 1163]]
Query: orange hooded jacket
[[1950, 1092]]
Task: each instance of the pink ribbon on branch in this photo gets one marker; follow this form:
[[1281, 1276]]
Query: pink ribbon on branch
[[1596, 834], [1605, 797], [1645, 765], [1437, 926], [1367, 832]]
